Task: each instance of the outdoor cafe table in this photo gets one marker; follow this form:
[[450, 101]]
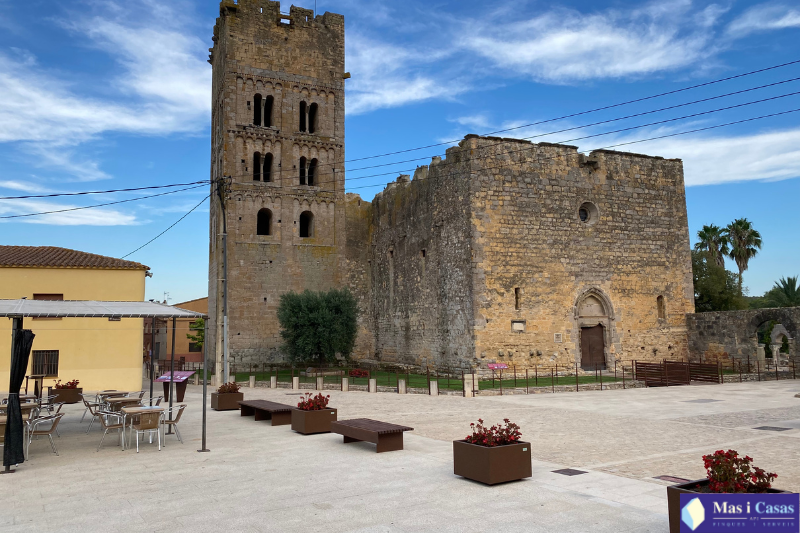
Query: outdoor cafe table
[[115, 404], [138, 410], [103, 394], [24, 407]]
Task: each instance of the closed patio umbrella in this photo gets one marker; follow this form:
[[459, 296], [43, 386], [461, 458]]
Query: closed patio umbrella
[[14, 451]]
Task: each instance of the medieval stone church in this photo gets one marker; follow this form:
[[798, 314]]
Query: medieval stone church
[[503, 251]]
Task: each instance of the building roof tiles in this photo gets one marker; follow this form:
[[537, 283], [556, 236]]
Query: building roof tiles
[[55, 257]]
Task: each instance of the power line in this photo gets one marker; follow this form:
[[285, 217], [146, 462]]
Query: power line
[[98, 205], [590, 110], [506, 141], [169, 228], [101, 192], [602, 147]]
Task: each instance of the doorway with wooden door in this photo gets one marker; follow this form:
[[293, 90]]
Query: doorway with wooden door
[[593, 348]]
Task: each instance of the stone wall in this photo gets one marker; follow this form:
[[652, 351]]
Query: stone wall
[[732, 335]]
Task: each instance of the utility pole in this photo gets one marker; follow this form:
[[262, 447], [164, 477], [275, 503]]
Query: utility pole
[[222, 191]]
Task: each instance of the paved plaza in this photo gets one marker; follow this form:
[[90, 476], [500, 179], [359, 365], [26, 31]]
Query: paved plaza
[[260, 478]]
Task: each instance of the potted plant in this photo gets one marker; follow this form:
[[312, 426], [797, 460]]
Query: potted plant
[[227, 397], [313, 415], [727, 473], [68, 392], [492, 454]]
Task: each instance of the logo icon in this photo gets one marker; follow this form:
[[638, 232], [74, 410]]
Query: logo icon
[[693, 514]]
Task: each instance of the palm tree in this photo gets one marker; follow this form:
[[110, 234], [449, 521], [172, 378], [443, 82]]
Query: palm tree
[[745, 243], [785, 293], [713, 239]]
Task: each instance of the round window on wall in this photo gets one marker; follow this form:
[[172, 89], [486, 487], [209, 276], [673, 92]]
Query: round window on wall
[[587, 213]]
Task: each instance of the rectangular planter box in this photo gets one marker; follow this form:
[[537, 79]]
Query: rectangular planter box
[[674, 500], [492, 465], [226, 402], [308, 422], [66, 395]]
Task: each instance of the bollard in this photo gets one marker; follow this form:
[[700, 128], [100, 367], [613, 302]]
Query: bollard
[[296, 382], [345, 384], [320, 382], [434, 388], [469, 385], [373, 385], [197, 379], [252, 382], [401, 386], [273, 382]]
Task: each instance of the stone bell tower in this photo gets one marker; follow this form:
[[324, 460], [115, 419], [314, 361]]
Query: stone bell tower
[[278, 132]]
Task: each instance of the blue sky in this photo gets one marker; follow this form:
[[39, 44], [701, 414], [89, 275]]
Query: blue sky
[[105, 94]]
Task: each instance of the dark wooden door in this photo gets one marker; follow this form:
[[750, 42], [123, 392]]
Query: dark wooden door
[[592, 348]]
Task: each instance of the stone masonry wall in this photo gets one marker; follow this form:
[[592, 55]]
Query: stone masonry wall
[[530, 241], [732, 335]]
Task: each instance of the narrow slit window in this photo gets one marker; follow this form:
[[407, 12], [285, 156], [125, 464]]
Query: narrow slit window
[[268, 103], [312, 118], [662, 313], [303, 116], [302, 171], [312, 172], [306, 224], [267, 167], [264, 222], [256, 166], [516, 298], [257, 110]]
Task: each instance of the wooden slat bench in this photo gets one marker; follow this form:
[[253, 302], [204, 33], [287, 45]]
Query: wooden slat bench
[[279, 413], [388, 437]]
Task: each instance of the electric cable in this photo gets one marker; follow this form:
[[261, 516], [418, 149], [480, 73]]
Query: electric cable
[[53, 195]]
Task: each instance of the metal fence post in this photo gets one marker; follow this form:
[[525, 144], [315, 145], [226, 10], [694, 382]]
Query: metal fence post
[[601, 379], [552, 383], [501, 382], [576, 378], [527, 384], [515, 376], [623, 374], [758, 369]]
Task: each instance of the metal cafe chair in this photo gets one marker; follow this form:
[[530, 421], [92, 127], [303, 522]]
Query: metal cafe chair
[[33, 432], [166, 422], [103, 417], [147, 423], [87, 401]]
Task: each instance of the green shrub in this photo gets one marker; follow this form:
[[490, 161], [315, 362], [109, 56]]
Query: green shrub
[[315, 326]]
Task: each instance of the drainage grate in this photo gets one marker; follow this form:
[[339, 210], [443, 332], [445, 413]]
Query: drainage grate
[[703, 400], [672, 479], [773, 428], [569, 472]]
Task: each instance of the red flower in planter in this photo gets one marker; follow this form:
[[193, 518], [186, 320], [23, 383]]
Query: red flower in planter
[[729, 473], [358, 373], [68, 385], [497, 435], [315, 403]]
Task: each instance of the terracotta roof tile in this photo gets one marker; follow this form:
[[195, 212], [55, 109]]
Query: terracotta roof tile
[[55, 257]]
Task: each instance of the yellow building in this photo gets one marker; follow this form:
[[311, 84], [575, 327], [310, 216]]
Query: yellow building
[[100, 353]]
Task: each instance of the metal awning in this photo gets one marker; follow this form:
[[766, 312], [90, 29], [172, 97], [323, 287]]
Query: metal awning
[[91, 309]]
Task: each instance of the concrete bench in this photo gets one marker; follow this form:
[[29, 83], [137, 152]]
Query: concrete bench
[[388, 437], [279, 413]]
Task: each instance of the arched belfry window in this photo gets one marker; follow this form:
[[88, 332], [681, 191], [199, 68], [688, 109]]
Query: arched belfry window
[[306, 224], [312, 172], [303, 116], [264, 223], [256, 166], [267, 167], [257, 110], [268, 103], [303, 166], [312, 118]]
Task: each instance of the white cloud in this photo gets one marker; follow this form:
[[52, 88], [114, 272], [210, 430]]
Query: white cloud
[[772, 156], [24, 186], [565, 45], [84, 217], [386, 76], [765, 17]]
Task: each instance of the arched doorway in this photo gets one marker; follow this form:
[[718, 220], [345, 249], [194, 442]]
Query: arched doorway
[[773, 333], [594, 316]]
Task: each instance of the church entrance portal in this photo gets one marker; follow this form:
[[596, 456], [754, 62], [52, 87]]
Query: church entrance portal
[[593, 348]]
